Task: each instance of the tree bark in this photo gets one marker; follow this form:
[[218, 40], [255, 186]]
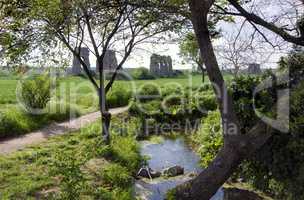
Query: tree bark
[[237, 146], [235, 150], [199, 12], [106, 122], [105, 114]]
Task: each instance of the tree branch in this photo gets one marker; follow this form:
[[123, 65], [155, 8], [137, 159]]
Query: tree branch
[[270, 26]]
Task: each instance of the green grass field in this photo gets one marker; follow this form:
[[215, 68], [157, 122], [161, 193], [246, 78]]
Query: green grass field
[[74, 96], [81, 87], [72, 166]]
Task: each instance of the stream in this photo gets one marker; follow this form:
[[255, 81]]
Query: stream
[[168, 153]]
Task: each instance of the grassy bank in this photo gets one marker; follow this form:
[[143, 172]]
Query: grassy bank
[[15, 121], [74, 166], [73, 96]]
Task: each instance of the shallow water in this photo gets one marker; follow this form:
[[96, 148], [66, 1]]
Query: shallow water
[[169, 153]]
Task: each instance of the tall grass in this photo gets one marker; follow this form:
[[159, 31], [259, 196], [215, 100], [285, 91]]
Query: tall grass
[[16, 121]]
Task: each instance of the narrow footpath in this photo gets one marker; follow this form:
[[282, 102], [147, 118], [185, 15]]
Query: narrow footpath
[[14, 144]]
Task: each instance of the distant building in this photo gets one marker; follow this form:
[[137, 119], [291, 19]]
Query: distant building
[[161, 65], [109, 62], [76, 67], [254, 68]]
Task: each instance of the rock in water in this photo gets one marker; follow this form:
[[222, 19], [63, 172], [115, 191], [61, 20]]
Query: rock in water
[[148, 173], [174, 171]]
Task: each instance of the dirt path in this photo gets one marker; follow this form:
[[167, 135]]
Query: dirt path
[[14, 144]]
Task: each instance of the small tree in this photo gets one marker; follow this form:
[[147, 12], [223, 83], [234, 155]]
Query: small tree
[[98, 25], [189, 50]]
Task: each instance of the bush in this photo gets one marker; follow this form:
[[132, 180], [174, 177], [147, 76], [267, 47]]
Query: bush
[[115, 175], [278, 167], [148, 92], [118, 96], [36, 91], [142, 74], [61, 111], [209, 138], [126, 152], [14, 121], [244, 99], [204, 101]]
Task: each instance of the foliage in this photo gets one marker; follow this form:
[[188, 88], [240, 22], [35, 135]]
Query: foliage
[[277, 168], [142, 74], [67, 168], [209, 138], [71, 167], [189, 50], [119, 96], [293, 64], [173, 105], [115, 175], [126, 152], [36, 91], [188, 45], [15, 121], [247, 100], [204, 101]]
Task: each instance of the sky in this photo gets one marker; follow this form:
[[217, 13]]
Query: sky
[[263, 53]]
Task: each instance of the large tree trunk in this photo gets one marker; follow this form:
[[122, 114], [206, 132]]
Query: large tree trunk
[[235, 150], [237, 146]]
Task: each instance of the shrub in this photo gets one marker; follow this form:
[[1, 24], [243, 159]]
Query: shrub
[[61, 111], [277, 168], [119, 96], [171, 90], [116, 176], [204, 101], [209, 137], [142, 74], [88, 101], [148, 92], [36, 91], [126, 152], [244, 99], [14, 122]]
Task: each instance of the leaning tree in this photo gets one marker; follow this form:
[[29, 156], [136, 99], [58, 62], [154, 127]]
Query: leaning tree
[[238, 145], [96, 24]]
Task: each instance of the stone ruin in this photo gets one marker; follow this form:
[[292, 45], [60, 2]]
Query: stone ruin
[[161, 65], [254, 68], [109, 63], [76, 67]]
